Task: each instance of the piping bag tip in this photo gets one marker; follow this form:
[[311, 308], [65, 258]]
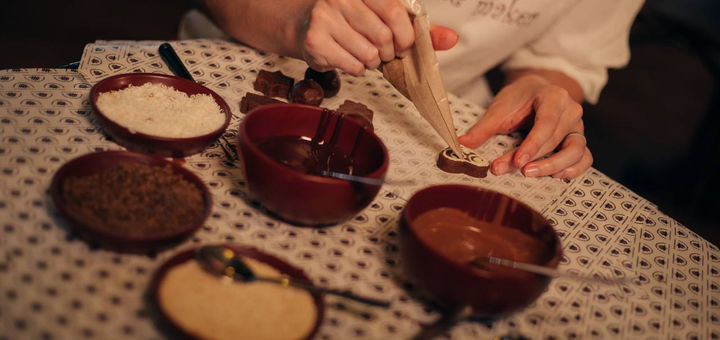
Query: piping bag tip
[[418, 78]]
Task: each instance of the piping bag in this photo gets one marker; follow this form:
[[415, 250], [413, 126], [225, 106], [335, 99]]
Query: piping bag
[[417, 77]]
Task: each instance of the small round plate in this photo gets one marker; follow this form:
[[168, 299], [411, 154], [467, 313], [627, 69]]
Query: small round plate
[[96, 162], [186, 255], [165, 146]]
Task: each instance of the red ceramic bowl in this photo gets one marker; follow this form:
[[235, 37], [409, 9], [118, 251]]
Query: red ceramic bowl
[[178, 333], [489, 293], [174, 147], [99, 161], [298, 197]]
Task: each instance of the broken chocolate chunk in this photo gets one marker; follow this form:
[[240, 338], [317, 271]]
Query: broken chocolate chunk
[[357, 111], [273, 84], [307, 92], [252, 101], [351, 107], [329, 81]]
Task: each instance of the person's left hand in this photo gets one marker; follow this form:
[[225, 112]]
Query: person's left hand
[[553, 114]]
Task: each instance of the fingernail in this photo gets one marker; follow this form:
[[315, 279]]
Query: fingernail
[[501, 168], [522, 160], [532, 171]]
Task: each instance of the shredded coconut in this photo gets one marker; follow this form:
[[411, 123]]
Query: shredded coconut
[[159, 110]]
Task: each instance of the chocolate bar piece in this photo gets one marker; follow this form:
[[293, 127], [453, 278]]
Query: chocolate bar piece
[[252, 101], [468, 163], [307, 92], [273, 84], [329, 81], [357, 110]]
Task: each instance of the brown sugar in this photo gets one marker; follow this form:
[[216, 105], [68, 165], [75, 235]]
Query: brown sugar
[[211, 307], [134, 199]]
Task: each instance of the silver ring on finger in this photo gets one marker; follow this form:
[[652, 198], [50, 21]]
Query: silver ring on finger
[[579, 134]]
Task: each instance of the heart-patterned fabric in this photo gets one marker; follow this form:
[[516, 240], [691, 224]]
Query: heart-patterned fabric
[[55, 286]]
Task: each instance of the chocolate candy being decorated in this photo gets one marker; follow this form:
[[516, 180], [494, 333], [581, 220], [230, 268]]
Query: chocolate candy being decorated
[[307, 92], [329, 81], [468, 163]]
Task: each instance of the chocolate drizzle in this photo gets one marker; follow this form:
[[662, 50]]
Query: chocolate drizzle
[[468, 163]]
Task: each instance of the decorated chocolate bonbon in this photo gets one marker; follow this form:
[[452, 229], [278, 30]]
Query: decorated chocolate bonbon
[[468, 163]]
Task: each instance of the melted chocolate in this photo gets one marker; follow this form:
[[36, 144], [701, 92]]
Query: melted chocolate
[[313, 155], [463, 238]]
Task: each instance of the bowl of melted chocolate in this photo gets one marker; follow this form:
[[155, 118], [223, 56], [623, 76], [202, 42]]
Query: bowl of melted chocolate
[[286, 147], [446, 229]]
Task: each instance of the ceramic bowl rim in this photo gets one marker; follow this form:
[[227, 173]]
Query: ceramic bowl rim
[[378, 173], [83, 225], [105, 120], [552, 262], [252, 252]]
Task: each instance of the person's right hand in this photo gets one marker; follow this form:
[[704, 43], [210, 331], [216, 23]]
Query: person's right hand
[[354, 35]]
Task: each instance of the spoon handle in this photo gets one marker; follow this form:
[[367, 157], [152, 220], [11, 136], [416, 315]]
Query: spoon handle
[[167, 53], [549, 272], [313, 288], [223, 261], [367, 180]]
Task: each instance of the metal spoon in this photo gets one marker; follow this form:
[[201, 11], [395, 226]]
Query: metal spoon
[[223, 261], [540, 270], [367, 180]]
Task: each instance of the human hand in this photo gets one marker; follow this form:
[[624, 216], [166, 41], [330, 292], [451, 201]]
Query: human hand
[[553, 114], [357, 35]]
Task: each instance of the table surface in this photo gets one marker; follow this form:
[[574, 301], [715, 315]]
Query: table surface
[[55, 286]]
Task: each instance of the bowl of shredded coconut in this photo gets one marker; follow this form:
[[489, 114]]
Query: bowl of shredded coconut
[[159, 114]]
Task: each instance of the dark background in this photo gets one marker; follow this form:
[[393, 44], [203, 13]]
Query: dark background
[[655, 129]]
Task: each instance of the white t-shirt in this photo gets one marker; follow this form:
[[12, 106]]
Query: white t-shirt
[[581, 38]]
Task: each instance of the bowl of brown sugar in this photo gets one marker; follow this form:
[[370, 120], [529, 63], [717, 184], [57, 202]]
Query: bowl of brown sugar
[[192, 303], [129, 201]]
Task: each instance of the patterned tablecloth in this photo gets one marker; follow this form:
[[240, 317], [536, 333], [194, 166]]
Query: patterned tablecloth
[[54, 286]]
